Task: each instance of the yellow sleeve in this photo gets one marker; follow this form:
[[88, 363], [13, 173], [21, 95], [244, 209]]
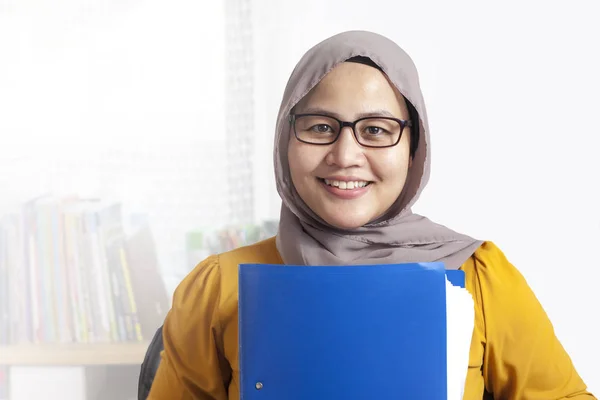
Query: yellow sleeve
[[191, 366], [523, 359]]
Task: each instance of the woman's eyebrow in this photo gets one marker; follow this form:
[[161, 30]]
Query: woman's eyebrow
[[374, 113]]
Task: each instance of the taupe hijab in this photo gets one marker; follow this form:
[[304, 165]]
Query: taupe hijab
[[397, 237]]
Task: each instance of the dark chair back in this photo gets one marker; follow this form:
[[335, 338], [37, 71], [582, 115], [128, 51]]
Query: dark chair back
[[150, 365]]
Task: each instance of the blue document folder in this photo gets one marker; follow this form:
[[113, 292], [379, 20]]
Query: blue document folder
[[357, 332]]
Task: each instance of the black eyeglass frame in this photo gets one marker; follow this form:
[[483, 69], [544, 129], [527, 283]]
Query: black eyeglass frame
[[403, 124]]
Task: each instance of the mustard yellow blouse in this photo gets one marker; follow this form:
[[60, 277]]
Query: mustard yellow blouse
[[514, 351]]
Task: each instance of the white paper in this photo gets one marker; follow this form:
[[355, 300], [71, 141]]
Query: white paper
[[460, 321]]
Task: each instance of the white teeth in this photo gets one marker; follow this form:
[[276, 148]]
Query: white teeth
[[346, 185]]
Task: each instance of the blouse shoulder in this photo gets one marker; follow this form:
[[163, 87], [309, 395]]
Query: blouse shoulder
[[489, 266], [517, 335], [202, 284], [263, 252], [497, 285]]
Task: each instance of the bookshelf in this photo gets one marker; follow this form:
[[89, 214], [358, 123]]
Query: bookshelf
[[73, 271], [77, 354], [81, 296], [77, 371]]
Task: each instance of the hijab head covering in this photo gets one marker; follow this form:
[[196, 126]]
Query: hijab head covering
[[399, 235]]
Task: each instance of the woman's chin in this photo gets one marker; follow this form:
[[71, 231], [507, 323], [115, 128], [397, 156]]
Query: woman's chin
[[345, 222]]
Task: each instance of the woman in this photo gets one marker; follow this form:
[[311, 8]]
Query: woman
[[351, 158]]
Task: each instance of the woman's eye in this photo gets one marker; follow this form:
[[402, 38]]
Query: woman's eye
[[374, 130], [322, 128]]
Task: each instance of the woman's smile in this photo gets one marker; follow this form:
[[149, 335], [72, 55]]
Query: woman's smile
[[345, 188]]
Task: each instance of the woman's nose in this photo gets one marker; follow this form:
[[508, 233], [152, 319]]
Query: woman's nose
[[346, 152]]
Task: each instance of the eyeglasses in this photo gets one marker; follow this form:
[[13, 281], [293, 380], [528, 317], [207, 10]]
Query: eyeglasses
[[375, 132]]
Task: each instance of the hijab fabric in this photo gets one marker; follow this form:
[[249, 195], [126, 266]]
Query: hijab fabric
[[399, 236]]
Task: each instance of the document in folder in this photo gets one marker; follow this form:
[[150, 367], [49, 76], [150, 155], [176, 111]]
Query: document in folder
[[357, 332]]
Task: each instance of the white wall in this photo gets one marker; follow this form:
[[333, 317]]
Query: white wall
[[120, 100], [512, 94]]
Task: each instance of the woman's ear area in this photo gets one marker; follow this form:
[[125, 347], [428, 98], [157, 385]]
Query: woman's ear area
[[409, 113]]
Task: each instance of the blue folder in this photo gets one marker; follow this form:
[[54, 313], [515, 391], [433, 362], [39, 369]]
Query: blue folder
[[358, 332]]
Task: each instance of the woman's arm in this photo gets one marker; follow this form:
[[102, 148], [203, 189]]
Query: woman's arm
[[192, 367], [523, 358]]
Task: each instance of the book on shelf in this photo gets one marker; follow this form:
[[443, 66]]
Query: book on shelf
[[202, 243], [70, 274]]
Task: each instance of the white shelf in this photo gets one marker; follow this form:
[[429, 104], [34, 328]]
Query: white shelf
[[73, 354]]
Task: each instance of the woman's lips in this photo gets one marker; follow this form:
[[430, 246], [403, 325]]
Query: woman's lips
[[346, 194]]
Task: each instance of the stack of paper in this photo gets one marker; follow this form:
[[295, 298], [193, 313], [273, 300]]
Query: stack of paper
[[356, 332], [460, 319]]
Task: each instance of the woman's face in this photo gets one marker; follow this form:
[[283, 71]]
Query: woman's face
[[321, 173]]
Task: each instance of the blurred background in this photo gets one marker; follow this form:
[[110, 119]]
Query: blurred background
[[136, 139]]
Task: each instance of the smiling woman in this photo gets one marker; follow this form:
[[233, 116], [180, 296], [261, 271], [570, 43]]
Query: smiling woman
[[374, 151], [351, 158]]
